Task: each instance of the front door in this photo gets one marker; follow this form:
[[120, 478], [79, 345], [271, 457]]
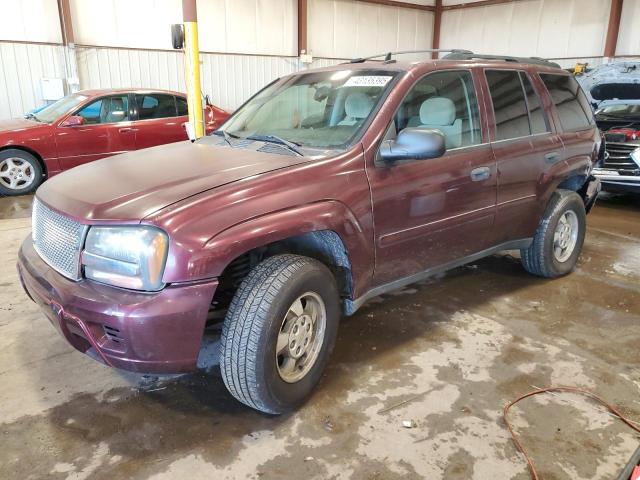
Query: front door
[[429, 213], [106, 131], [159, 120]]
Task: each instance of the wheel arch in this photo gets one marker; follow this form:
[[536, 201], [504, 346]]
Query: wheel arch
[[326, 231]]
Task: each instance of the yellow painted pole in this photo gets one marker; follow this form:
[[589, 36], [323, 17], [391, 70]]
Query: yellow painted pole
[[192, 66]]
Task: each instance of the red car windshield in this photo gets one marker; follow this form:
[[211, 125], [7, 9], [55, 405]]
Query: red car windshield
[[317, 110], [56, 110]]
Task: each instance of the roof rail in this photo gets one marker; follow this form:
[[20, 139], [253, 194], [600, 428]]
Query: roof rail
[[388, 55], [467, 55]]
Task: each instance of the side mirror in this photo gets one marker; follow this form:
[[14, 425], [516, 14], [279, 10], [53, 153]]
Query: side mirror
[[177, 36], [73, 121], [414, 144]]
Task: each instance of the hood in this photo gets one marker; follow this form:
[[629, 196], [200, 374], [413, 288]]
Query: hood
[[611, 81], [134, 185], [19, 124]]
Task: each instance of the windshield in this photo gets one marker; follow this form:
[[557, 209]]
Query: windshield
[[54, 111], [621, 110], [315, 110]]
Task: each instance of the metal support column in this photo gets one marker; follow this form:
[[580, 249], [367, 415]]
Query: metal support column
[[192, 66]]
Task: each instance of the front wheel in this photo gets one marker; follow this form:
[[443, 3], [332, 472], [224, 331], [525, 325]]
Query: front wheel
[[558, 240], [279, 332], [20, 172]]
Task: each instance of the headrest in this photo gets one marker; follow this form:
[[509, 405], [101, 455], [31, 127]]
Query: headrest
[[358, 105], [437, 111]]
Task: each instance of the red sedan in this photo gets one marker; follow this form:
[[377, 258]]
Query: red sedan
[[87, 126]]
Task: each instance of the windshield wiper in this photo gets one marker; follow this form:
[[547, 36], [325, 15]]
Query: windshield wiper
[[227, 136], [32, 116], [292, 146]]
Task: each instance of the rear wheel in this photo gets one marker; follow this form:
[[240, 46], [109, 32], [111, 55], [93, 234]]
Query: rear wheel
[[20, 172], [279, 332], [558, 240]]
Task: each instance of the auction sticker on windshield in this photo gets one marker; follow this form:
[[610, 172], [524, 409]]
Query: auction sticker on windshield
[[368, 81]]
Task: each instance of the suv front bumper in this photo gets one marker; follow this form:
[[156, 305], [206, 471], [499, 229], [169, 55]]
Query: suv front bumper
[[148, 333], [612, 181]]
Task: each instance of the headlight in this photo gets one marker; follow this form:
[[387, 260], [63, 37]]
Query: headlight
[[128, 257]]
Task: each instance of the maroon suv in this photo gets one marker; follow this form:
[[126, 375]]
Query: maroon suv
[[327, 188]]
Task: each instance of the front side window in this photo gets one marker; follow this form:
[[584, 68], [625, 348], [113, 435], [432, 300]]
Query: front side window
[[571, 103], [152, 105], [106, 110], [181, 104], [509, 105], [324, 110], [444, 101]]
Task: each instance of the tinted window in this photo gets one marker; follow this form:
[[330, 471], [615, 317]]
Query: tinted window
[[570, 101], [155, 106], [181, 103], [444, 101], [537, 116], [509, 106], [106, 110]]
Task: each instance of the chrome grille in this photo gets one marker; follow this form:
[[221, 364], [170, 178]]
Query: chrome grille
[[57, 239], [620, 157]]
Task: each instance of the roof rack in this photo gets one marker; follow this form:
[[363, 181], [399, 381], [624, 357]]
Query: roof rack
[[467, 55], [459, 54], [388, 55]]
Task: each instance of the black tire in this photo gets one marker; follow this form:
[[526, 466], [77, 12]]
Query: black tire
[[24, 159], [539, 259], [253, 322]]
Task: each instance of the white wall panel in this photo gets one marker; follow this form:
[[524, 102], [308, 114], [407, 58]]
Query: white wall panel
[[545, 28], [21, 68], [629, 35], [228, 79], [30, 21], [347, 28], [238, 26]]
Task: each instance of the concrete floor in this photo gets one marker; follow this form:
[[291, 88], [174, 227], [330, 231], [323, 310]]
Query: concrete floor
[[458, 347]]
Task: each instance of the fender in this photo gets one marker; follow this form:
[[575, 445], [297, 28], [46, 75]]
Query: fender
[[332, 215]]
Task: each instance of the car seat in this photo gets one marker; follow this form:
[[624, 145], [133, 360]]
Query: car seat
[[117, 111], [439, 113], [357, 107]]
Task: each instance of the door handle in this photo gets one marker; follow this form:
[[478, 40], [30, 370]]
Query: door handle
[[552, 157], [480, 173], [127, 129]]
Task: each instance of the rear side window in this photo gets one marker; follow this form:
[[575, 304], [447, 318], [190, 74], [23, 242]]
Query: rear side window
[[509, 105], [537, 116], [155, 106], [571, 103]]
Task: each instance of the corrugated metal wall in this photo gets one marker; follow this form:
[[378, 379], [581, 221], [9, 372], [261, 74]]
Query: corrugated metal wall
[[22, 66], [348, 29], [544, 28], [228, 79], [257, 39]]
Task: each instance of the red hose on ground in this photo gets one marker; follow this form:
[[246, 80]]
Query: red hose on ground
[[611, 408]]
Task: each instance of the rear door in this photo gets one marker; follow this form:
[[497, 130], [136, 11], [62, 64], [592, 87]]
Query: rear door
[[106, 131], [159, 119], [525, 147], [428, 213]]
